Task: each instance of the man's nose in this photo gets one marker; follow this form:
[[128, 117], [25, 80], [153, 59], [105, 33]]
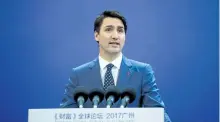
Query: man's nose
[[115, 35]]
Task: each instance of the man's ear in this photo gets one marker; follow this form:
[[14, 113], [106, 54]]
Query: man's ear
[[96, 36]]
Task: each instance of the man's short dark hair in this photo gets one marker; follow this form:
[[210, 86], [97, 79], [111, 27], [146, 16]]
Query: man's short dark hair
[[107, 13]]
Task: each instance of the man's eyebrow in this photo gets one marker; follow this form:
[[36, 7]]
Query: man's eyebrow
[[113, 26], [108, 26], [121, 27]]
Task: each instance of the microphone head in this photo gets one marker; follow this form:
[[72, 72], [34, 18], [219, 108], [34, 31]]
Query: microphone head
[[130, 92], [114, 91], [96, 91], [80, 91]]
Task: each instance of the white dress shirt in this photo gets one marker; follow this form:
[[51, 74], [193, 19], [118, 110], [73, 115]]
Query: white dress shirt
[[115, 70]]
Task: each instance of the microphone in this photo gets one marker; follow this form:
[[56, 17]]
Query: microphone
[[80, 96], [128, 96], [96, 96], [112, 95]]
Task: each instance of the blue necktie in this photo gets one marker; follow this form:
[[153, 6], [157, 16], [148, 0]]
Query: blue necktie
[[109, 80]]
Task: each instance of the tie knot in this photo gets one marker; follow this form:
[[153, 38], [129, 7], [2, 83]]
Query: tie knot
[[109, 66]]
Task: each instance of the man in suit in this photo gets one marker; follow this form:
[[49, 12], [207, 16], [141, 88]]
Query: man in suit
[[111, 67]]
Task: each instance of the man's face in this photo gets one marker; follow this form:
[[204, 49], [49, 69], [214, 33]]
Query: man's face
[[111, 36]]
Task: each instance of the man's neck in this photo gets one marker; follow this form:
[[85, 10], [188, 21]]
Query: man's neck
[[109, 57]]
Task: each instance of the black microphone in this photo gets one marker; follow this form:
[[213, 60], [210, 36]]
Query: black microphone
[[112, 95], [128, 96], [80, 95], [96, 96]]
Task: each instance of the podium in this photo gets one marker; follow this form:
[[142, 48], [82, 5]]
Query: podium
[[96, 115]]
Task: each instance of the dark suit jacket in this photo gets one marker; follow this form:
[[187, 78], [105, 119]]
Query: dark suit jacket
[[137, 75]]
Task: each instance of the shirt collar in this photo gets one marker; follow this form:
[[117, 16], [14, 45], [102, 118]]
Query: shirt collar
[[116, 62]]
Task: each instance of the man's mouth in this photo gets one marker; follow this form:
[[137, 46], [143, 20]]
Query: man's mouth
[[116, 43]]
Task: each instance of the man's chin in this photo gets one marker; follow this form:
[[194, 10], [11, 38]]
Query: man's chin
[[114, 51]]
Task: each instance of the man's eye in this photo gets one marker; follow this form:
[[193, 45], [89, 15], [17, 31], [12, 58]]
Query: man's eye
[[108, 29], [121, 30]]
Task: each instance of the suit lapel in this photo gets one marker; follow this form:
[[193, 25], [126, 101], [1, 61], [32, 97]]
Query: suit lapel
[[95, 73], [125, 73], [96, 78]]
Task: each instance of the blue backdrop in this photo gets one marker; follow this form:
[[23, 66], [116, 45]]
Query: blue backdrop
[[42, 40]]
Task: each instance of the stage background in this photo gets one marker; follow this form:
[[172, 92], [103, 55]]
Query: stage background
[[42, 40]]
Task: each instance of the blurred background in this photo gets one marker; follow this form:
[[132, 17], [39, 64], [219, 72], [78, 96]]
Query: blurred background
[[42, 40]]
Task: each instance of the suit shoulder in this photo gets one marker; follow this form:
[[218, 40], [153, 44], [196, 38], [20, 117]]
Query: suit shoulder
[[140, 65], [82, 67]]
